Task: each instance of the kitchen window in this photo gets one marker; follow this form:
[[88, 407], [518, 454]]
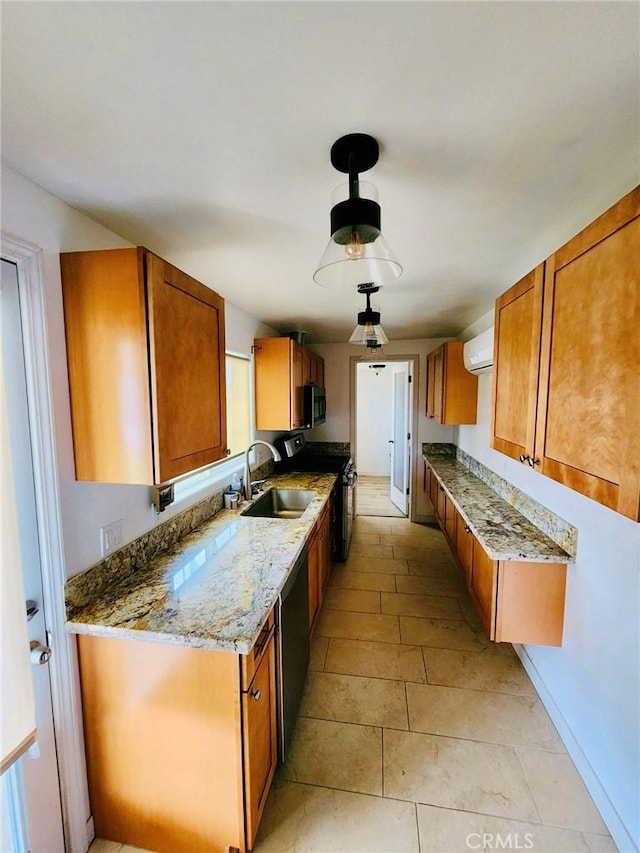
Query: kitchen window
[[239, 432]]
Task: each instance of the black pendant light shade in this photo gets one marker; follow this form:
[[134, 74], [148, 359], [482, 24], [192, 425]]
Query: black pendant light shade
[[369, 332], [357, 251]]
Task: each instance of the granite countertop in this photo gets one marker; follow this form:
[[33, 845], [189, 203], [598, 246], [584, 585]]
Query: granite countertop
[[213, 589], [503, 532]]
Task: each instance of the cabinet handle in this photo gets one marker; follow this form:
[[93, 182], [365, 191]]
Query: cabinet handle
[[532, 461], [524, 458], [256, 694], [441, 487], [467, 529]]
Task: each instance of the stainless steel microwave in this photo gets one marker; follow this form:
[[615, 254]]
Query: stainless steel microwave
[[315, 406]]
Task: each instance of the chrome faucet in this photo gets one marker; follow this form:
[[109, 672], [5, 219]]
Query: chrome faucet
[[247, 471]]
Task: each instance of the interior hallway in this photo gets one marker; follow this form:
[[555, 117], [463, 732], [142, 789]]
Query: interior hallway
[[415, 732]]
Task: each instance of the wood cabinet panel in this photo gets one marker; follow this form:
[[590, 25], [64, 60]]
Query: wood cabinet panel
[[163, 744], [484, 578], [518, 320], [260, 739], [588, 409], [450, 513], [319, 557], [187, 344], [530, 602], [452, 392], [145, 353], [464, 547], [579, 420], [282, 368]]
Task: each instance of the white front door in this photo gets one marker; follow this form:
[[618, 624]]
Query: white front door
[[40, 772], [400, 446]]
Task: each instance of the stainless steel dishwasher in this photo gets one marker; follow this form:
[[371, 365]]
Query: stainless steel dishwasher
[[293, 648]]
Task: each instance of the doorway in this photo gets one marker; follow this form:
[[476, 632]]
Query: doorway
[[383, 417], [38, 780]]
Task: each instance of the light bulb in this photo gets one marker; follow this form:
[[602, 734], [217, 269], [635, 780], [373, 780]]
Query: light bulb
[[354, 249]]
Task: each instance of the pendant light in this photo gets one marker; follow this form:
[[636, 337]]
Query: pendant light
[[356, 251], [369, 332]]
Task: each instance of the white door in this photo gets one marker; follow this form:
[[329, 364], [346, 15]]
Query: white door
[[40, 772], [400, 445]]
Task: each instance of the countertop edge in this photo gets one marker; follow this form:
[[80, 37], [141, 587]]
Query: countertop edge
[[528, 556]]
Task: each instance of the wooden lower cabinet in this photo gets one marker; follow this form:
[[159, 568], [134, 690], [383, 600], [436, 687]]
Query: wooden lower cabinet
[[319, 561], [518, 602], [180, 751]]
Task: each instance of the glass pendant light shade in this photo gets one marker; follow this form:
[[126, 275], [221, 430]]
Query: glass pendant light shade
[[348, 265], [357, 252], [369, 336]]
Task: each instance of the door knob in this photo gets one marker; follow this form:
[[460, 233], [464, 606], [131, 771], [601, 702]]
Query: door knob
[[39, 654], [32, 609]]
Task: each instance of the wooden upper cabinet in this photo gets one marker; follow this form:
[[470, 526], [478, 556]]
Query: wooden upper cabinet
[[145, 350], [518, 321], [282, 367], [589, 391], [452, 392]]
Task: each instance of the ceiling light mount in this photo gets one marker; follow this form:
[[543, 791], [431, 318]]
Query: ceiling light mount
[[357, 251]]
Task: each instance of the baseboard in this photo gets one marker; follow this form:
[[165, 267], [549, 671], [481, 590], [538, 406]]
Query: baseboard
[[610, 816]]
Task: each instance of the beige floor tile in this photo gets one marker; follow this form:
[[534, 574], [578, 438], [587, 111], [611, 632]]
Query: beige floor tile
[[365, 539], [560, 794], [475, 715], [434, 606], [99, 845], [431, 585], [599, 843], [457, 774], [434, 563], [308, 819], [335, 755], [127, 848], [346, 579], [357, 600], [469, 612], [371, 524], [318, 652], [363, 563], [363, 552], [354, 699], [449, 830], [401, 532], [441, 633], [406, 551], [477, 671], [379, 627], [377, 660]]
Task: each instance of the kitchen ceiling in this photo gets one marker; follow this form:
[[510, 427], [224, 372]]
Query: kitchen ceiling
[[202, 130]]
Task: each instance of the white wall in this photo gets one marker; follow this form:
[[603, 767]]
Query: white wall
[[32, 214], [375, 420], [337, 362], [590, 685]]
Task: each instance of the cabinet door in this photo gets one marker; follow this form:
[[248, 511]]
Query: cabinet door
[[464, 547], [186, 330], [518, 321], [273, 375], [431, 378], [450, 513], [325, 552], [484, 578], [297, 387], [438, 384], [441, 504], [314, 576], [588, 406], [260, 745]]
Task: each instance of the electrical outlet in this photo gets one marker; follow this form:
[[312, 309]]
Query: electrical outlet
[[111, 537]]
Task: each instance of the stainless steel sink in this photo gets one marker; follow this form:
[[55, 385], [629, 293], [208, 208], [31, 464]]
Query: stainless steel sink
[[281, 503]]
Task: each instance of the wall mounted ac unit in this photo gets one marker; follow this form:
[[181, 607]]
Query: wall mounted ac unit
[[478, 353]]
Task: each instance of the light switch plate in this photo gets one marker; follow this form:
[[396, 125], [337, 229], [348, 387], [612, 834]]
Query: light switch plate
[[111, 537]]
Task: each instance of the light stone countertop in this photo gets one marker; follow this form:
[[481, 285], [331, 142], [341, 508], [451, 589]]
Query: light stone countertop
[[503, 532], [213, 590]]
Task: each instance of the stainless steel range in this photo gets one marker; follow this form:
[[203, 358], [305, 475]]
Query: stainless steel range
[[296, 457]]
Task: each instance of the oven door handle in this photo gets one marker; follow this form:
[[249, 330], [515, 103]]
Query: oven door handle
[[351, 479]]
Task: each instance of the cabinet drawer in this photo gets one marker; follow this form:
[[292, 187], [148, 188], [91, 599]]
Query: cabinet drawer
[[251, 662]]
